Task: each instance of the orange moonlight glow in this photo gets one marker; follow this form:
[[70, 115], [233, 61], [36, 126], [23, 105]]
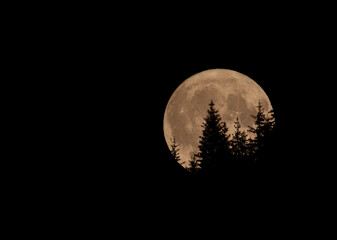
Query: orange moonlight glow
[[234, 95]]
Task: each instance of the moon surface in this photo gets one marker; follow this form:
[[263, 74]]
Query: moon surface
[[234, 95]]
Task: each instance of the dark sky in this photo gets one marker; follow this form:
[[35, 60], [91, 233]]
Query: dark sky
[[135, 84], [114, 77], [130, 74], [110, 75], [165, 68]]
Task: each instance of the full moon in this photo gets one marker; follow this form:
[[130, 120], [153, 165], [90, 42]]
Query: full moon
[[234, 95]]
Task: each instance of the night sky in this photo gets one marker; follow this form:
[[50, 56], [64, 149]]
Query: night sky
[[123, 78], [100, 78], [133, 87]]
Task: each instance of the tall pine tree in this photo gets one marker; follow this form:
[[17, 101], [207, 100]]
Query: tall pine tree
[[214, 142], [269, 123], [259, 121], [194, 165], [175, 150], [263, 127], [239, 146]]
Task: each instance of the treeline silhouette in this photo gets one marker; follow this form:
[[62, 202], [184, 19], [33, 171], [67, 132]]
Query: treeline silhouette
[[221, 153]]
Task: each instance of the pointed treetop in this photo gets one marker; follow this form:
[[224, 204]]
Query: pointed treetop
[[211, 107], [174, 149], [237, 121]]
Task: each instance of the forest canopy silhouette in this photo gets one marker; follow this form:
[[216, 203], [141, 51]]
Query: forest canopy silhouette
[[220, 152]]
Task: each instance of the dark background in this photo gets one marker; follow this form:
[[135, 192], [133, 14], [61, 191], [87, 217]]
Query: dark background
[[103, 80], [272, 67], [126, 77], [112, 76], [132, 89], [129, 161]]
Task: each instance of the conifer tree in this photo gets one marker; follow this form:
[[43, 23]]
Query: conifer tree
[[259, 122], [175, 150], [214, 143], [269, 122], [239, 142], [194, 165], [264, 124]]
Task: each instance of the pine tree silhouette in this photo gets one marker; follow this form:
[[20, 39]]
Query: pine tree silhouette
[[219, 155], [263, 127], [259, 124], [214, 144], [239, 145], [175, 150], [267, 151], [269, 123], [194, 165]]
